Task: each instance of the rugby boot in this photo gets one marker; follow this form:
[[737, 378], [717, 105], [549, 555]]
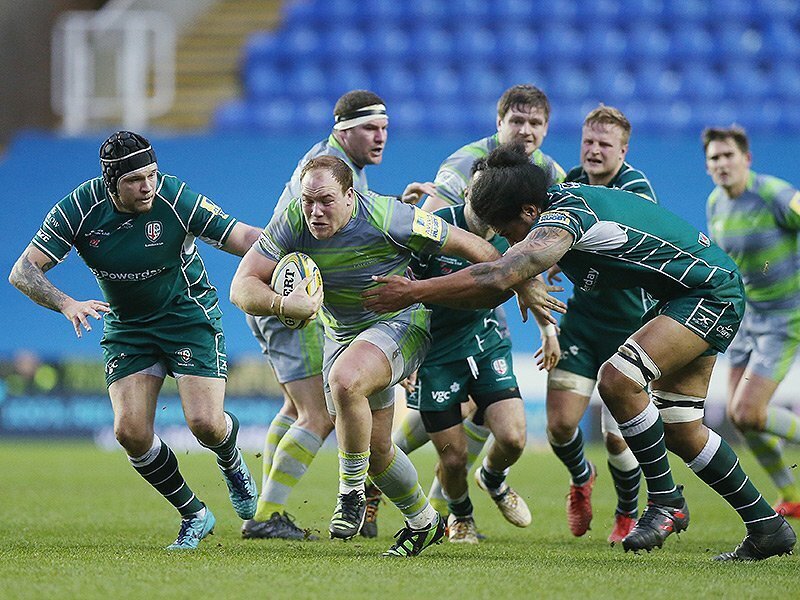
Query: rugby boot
[[373, 496], [758, 546], [348, 516], [278, 526], [622, 527], [410, 542], [510, 503], [788, 509], [461, 530], [579, 505], [193, 529], [241, 489], [655, 525]]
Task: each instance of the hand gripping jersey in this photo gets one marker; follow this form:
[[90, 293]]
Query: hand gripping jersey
[[147, 264], [377, 240]]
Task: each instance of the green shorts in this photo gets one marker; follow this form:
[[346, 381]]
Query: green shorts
[[185, 349], [715, 315], [487, 378], [587, 343]]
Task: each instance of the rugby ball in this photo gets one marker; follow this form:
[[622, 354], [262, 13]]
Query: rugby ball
[[289, 272]]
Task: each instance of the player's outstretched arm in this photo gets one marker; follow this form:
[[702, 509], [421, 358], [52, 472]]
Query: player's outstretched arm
[[415, 191], [28, 277], [241, 239], [251, 292]]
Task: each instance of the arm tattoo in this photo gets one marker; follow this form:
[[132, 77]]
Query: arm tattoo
[[30, 280]]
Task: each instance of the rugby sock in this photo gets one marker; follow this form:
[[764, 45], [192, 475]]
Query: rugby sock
[[767, 449], [293, 456], [159, 467], [644, 435], [461, 506], [783, 423], [436, 495], [493, 479], [277, 429], [228, 455], [626, 473], [571, 454], [399, 484], [718, 466], [476, 439], [410, 434], [353, 467]]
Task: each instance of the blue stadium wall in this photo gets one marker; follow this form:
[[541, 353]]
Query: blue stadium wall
[[245, 175]]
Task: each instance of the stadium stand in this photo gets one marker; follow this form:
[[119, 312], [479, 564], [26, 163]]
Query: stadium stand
[[672, 64]]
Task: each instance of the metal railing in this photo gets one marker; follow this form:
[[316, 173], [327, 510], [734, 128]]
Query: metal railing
[[115, 64]]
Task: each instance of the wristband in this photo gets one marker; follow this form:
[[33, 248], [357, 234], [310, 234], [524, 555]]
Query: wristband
[[548, 330]]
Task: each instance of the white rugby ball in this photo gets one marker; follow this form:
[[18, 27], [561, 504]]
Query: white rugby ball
[[289, 272]]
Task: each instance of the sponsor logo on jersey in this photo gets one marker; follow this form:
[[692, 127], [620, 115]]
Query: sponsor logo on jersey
[[554, 217], [212, 208], [142, 275], [43, 235], [184, 354], [703, 240], [440, 396], [725, 331], [153, 230], [427, 225], [591, 279], [500, 366]]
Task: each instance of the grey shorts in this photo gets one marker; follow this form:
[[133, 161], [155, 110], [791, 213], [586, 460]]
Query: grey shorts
[[404, 345], [766, 342], [293, 353]]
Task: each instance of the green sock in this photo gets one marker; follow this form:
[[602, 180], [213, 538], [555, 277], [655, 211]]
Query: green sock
[[410, 434], [460, 507], [644, 435], [353, 467], [159, 467], [293, 456], [277, 429], [768, 450], [783, 423], [399, 484], [571, 455], [718, 466]]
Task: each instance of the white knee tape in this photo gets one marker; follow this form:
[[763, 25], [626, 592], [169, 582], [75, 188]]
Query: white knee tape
[[632, 361], [559, 379], [678, 408]]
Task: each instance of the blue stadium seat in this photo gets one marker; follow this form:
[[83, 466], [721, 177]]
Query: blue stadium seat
[[601, 13], [644, 10], [306, 80], [744, 80], [568, 83], [233, 115], [438, 83], [408, 115], [738, 41], [263, 81], [647, 42], [444, 116], [786, 81], [691, 43], [394, 81], [782, 41], [700, 82], [524, 72], [481, 84], [346, 76], [561, 44], [777, 10], [262, 46], [383, 13], [343, 44], [656, 82], [518, 42], [315, 114], [388, 42], [277, 115], [605, 43], [429, 12], [432, 44], [475, 43], [611, 83], [689, 11]]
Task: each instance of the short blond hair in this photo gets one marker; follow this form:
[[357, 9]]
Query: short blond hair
[[609, 115]]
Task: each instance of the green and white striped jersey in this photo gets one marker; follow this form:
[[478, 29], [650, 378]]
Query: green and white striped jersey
[[622, 240], [378, 240], [759, 231], [454, 173], [146, 264], [620, 308]]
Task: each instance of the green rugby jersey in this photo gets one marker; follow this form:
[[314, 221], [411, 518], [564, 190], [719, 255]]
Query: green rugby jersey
[[377, 240], [622, 240], [620, 308], [454, 173], [759, 231], [458, 333], [147, 264], [328, 147]]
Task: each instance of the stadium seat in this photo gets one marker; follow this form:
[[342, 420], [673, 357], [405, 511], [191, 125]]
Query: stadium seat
[[744, 80], [737, 41], [518, 42], [432, 44], [233, 115], [480, 84], [475, 44], [387, 42], [345, 76], [262, 81], [781, 41], [440, 83], [605, 43], [611, 83], [647, 42], [786, 81], [306, 80], [699, 82], [691, 43], [277, 115], [561, 44], [344, 44], [569, 83], [394, 81]]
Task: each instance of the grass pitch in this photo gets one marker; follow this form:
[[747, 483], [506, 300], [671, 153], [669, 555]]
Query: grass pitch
[[77, 522]]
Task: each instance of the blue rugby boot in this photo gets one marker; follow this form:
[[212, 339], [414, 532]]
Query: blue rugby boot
[[193, 529], [242, 489]]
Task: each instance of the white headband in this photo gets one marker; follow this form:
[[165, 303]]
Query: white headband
[[359, 116]]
